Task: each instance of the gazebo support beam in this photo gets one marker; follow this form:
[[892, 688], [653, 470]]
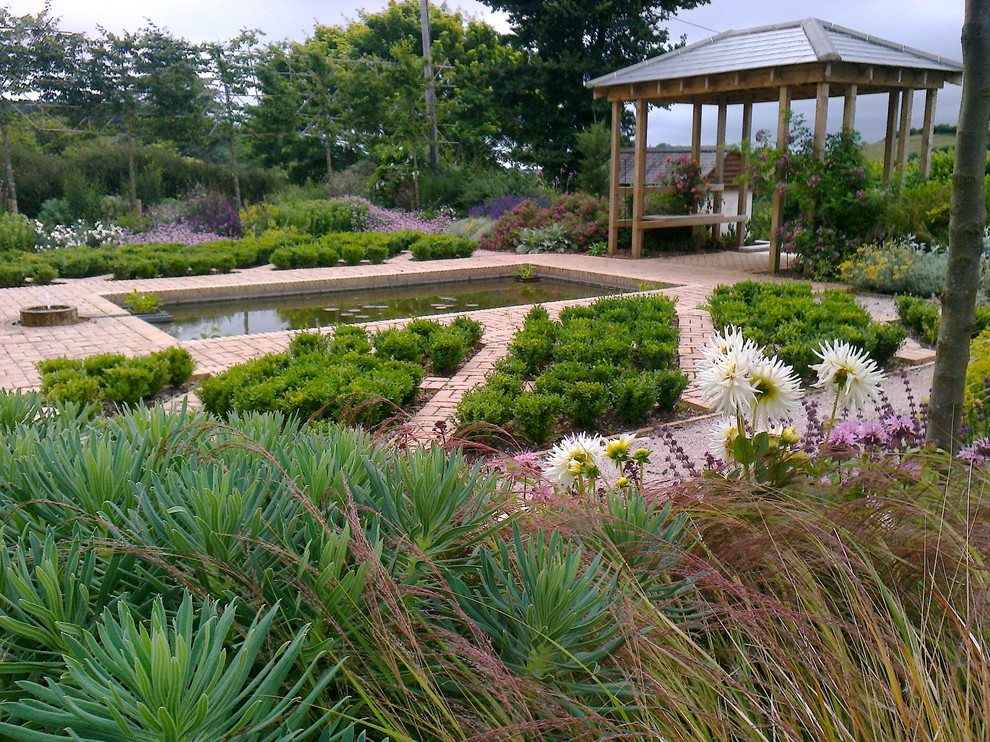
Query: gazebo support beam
[[696, 134], [821, 119], [613, 180], [849, 109], [783, 116], [639, 178], [742, 201], [888, 143], [907, 99], [719, 162], [927, 133]]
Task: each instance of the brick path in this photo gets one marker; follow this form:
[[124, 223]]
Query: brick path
[[108, 328]]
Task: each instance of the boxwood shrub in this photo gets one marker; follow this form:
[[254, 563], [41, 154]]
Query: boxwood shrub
[[114, 377], [793, 321], [335, 376], [284, 248], [922, 318], [441, 247], [610, 363]]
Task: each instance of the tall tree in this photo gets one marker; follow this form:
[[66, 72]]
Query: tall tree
[[31, 60], [172, 94], [359, 89], [569, 43], [232, 69], [111, 79], [966, 227]]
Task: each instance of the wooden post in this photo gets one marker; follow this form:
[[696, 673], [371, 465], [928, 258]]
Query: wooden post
[[907, 99], [719, 164], [696, 134], [927, 132], [778, 198], [613, 181], [639, 177], [888, 143], [849, 109], [741, 209], [821, 119]]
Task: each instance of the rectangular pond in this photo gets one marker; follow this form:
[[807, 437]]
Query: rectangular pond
[[303, 311]]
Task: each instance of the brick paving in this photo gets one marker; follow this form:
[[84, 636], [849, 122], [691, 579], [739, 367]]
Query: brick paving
[[108, 328]]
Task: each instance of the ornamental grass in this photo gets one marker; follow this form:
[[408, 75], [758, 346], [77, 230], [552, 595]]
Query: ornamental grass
[[167, 577]]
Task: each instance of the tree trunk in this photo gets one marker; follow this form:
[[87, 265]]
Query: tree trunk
[[10, 190], [329, 152], [235, 165], [132, 171], [966, 225]]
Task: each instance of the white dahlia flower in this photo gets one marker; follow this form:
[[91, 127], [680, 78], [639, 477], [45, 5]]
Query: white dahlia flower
[[575, 456], [778, 390], [855, 376]]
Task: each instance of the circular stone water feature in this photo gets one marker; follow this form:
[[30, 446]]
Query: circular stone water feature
[[55, 315]]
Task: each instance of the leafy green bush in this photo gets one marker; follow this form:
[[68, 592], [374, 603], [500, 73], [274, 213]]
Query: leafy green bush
[[376, 254], [115, 377], [399, 345], [323, 217], [13, 273], [832, 203], [922, 318], [352, 254], [537, 415], [448, 347], [16, 232], [334, 377], [488, 405], [612, 359], [441, 247], [42, 274], [792, 321]]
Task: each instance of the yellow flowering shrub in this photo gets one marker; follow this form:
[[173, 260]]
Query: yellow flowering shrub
[[895, 267]]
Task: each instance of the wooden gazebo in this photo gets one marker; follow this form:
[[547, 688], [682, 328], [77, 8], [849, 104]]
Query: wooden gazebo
[[801, 60]]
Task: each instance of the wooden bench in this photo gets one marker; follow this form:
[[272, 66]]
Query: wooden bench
[[657, 221]]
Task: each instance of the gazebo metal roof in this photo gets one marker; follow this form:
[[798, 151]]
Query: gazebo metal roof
[[796, 42], [810, 42]]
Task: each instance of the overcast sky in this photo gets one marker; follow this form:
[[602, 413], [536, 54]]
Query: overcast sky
[[931, 25]]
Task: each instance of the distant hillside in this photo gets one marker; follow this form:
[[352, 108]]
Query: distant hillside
[[874, 150]]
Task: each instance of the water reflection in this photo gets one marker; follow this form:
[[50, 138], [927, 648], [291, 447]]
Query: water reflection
[[272, 314]]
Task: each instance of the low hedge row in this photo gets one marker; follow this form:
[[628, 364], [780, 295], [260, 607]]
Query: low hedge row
[[616, 358], [144, 261], [441, 247], [113, 377], [351, 247], [922, 318], [338, 376], [793, 321], [284, 248]]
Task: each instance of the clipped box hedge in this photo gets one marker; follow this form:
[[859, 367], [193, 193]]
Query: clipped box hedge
[[613, 362], [114, 377], [338, 376], [793, 321]]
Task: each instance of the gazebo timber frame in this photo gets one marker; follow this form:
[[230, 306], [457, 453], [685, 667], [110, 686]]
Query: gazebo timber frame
[[826, 77]]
